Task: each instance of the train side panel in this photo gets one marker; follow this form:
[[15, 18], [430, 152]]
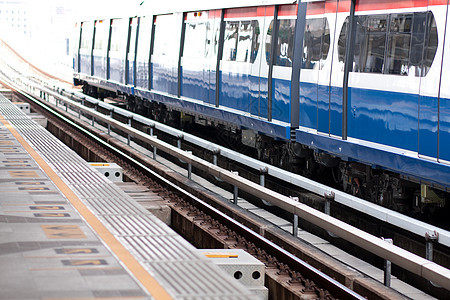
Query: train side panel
[[385, 83], [87, 35], [322, 70], [282, 65]]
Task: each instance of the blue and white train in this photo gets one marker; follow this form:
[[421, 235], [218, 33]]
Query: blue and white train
[[360, 86]]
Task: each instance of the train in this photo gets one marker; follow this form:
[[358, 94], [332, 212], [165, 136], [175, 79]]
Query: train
[[359, 88]]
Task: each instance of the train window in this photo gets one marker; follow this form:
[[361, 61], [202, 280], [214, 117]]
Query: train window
[[195, 39], [230, 41], [269, 42], [370, 43], [77, 36], [215, 37], [325, 41], [86, 35], [133, 32], [241, 41], [145, 32], [119, 31], [400, 44], [166, 36], [101, 35], [431, 43], [342, 44], [316, 43], [255, 41], [285, 45], [244, 41]]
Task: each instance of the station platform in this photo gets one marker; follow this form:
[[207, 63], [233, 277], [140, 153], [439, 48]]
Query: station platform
[[67, 232]]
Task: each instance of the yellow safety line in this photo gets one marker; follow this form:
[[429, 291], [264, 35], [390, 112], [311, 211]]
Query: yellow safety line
[[148, 281]]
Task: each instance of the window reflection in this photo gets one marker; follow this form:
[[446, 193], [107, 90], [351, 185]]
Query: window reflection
[[400, 44], [316, 43], [241, 41]]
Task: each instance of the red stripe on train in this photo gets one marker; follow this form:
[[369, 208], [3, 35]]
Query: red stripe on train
[[318, 8]]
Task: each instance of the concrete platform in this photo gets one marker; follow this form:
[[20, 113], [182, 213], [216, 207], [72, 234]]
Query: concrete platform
[[66, 232]]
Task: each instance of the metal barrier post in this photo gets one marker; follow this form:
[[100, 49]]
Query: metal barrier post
[[387, 267], [189, 166], [295, 222], [93, 118], [235, 190], [109, 124], [154, 148], [179, 139], [430, 238], [129, 136], [327, 209], [262, 182], [151, 129], [216, 153], [295, 226]]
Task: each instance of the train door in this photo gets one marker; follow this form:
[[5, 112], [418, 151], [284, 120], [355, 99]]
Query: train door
[[87, 34], [76, 48], [283, 47], [99, 53], [429, 71], [118, 50], [322, 28], [444, 101], [143, 52], [318, 98], [166, 51], [131, 55], [329, 105], [237, 60], [211, 53], [199, 56], [259, 68]]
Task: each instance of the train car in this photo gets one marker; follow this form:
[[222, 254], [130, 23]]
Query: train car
[[394, 115], [356, 86]]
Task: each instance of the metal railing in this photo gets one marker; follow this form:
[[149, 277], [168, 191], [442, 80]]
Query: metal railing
[[411, 262]]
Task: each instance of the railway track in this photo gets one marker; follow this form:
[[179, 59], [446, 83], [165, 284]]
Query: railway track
[[287, 275], [212, 217]]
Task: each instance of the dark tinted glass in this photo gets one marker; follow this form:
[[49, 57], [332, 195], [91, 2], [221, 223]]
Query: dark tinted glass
[[316, 43], [285, 46], [401, 44]]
